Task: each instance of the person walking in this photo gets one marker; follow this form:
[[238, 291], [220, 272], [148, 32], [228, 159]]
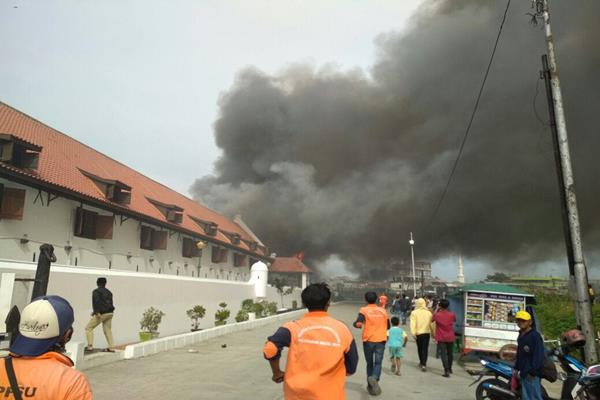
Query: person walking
[[102, 305], [322, 351], [530, 357], [444, 334], [37, 366], [374, 323], [397, 340], [396, 306], [420, 329], [383, 299], [405, 306]]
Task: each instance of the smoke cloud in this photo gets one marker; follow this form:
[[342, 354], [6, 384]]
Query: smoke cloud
[[349, 162]]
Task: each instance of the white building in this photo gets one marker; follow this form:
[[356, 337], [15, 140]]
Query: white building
[[104, 218], [99, 213]]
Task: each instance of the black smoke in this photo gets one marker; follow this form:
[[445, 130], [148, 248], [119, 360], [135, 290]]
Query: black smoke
[[348, 162]]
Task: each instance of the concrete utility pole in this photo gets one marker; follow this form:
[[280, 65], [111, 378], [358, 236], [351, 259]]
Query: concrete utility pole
[[412, 253], [578, 269]]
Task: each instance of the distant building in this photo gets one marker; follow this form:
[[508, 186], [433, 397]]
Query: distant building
[[403, 275], [460, 276], [291, 269]]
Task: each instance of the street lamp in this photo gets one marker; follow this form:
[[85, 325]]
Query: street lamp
[[412, 254]]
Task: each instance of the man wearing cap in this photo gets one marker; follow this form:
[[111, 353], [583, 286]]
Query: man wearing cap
[[102, 305], [41, 370], [530, 357]]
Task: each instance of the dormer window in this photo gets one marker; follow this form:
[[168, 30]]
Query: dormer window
[[19, 153], [234, 238], [210, 228], [171, 212], [113, 190], [251, 245]]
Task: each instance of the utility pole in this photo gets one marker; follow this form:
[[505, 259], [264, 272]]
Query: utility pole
[[577, 268], [414, 276]]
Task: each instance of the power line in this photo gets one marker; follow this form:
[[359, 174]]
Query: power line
[[467, 131]]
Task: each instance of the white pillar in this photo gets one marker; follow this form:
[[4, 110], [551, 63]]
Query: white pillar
[[7, 285], [304, 280], [259, 275]]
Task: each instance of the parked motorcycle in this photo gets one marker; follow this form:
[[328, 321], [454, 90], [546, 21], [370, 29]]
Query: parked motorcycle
[[578, 383]]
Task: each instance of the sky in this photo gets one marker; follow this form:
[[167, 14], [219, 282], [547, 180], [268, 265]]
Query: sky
[[140, 81], [143, 81]]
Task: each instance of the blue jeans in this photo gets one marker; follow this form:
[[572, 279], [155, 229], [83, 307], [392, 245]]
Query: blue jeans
[[531, 388], [374, 357]]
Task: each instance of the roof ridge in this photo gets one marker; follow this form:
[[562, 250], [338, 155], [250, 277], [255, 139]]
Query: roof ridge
[[109, 157]]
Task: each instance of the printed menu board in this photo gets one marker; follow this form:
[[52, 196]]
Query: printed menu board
[[492, 310]]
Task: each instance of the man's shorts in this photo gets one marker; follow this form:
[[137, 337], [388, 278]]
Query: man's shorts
[[396, 352]]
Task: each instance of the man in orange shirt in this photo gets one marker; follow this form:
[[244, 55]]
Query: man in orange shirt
[[375, 323], [383, 299], [39, 368], [321, 352]]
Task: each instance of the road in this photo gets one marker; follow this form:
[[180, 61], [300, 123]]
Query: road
[[239, 371]]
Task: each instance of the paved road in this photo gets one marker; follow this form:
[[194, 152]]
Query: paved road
[[240, 372]]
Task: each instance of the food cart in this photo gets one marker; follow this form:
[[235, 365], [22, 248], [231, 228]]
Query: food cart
[[488, 315]]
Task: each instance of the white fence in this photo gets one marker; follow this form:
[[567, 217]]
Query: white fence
[[134, 292]]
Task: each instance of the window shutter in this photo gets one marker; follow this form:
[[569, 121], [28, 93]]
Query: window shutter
[[146, 238], [12, 203], [159, 240], [104, 226], [215, 254], [223, 256], [189, 248], [239, 260]]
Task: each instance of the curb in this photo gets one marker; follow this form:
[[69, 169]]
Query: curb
[[172, 342]]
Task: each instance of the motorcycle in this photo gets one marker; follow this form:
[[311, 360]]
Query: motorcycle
[[573, 375], [588, 386], [499, 387]]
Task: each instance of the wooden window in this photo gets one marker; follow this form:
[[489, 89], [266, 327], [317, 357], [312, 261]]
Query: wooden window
[[146, 238], [189, 248], [19, 153], [209, 228], [219, 255], [151, 239], [12, 203], [171, 212], [113, 190], [159, 240], [91, 225], [239, 260]]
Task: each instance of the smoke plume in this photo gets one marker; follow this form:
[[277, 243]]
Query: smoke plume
[[349, 162]]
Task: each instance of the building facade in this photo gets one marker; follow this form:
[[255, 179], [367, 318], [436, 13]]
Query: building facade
[[98, 213]]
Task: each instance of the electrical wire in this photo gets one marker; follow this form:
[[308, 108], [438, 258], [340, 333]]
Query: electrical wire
[[470, 124]]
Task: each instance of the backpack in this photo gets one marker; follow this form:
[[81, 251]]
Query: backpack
[[548, 370]]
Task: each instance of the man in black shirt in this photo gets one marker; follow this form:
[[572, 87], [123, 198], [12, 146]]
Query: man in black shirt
[[102, 305]]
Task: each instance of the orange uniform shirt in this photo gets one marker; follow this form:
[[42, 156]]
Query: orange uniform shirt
[[375, 323], [46, 377], [321, 353]]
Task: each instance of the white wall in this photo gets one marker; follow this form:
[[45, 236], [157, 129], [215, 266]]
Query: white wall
[[53, 223], [134, 292]]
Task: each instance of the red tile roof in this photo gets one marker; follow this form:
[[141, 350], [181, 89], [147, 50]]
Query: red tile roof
[[62, 158], [288, 264]]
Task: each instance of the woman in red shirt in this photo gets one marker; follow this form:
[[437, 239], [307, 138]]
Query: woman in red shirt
[[444, 334]]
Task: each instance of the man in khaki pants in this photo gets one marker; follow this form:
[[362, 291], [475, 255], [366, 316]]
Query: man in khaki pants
[[102, 305]]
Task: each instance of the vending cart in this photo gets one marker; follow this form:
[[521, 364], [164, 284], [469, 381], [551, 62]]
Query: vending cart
[[489, 315]]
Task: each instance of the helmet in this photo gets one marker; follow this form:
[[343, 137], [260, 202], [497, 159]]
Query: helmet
[[573, 338], [508, 352]]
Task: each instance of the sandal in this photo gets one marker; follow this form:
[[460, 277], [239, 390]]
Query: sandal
[[107, 350]]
